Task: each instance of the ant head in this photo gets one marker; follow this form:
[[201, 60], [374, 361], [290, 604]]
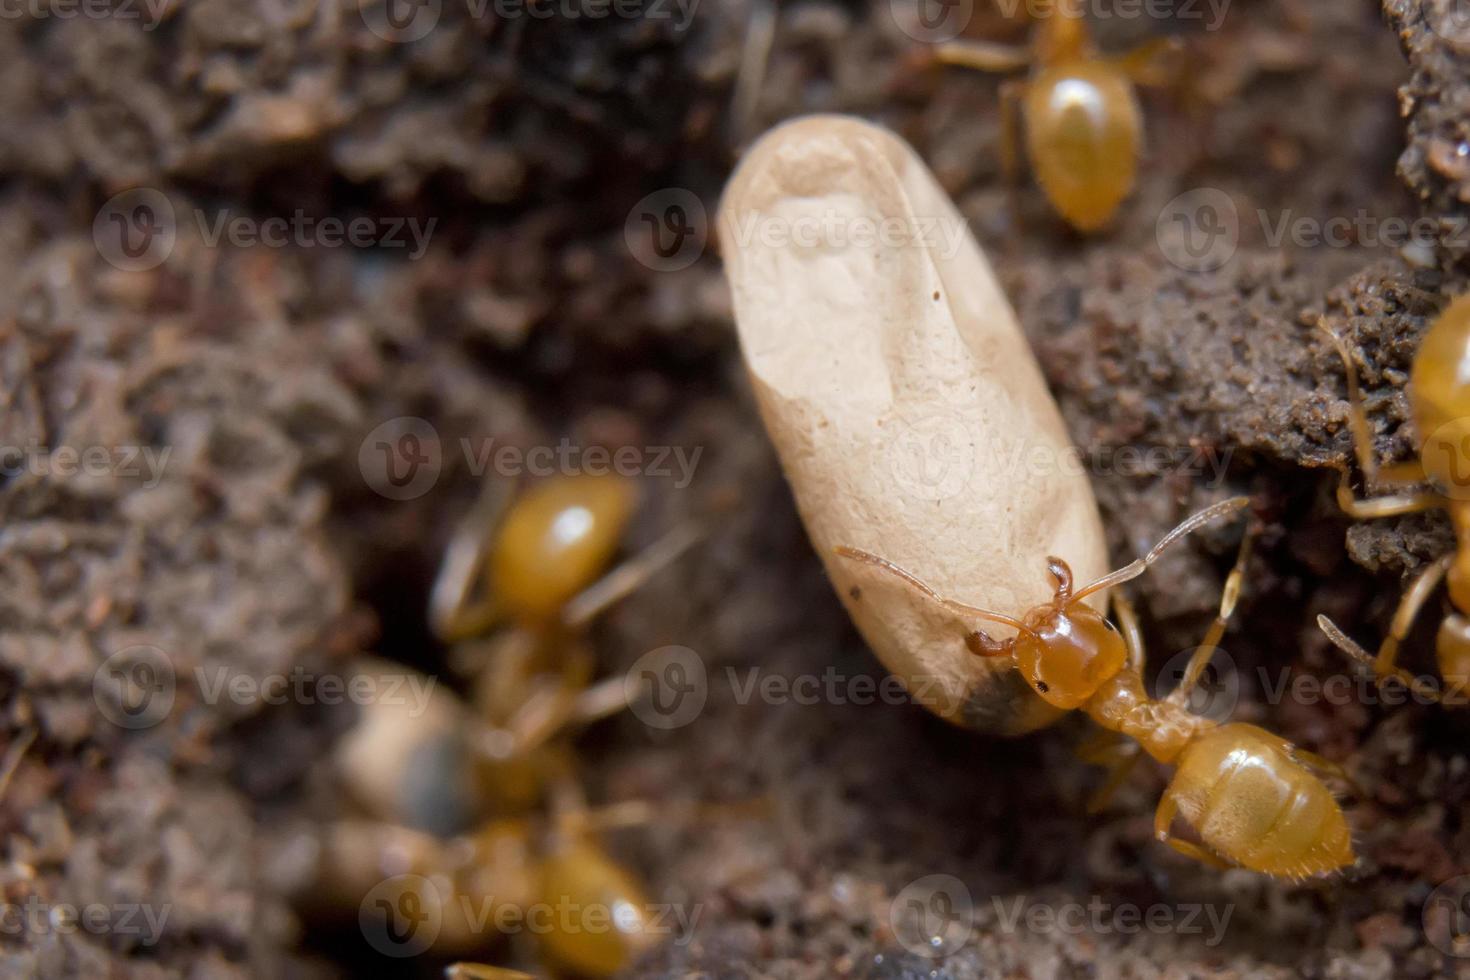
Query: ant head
[[1068, 650]]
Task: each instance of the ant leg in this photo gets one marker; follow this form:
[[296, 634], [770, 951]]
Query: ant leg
[[1397, 474], [1119, 757], [1229, 595], [1154, 63], [1132, 635], [1408, 609], [1325, 767], [629, 576], [1390, 506], [1164, 820], [1011, 138], [1385, 665], [458, 605], [998, 58], [1138, 566], [1350, 647]]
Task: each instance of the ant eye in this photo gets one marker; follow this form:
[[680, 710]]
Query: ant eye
[[1043, 686]]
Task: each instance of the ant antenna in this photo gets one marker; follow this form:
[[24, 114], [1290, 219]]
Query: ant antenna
[[918, 583]]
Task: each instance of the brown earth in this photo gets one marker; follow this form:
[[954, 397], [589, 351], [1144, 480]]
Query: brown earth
[[260, 547]]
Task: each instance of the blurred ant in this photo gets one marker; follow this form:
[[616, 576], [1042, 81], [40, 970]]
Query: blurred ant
[[582, 910], [1254, 799], [1083, 126], [1439, 398], [534, 564], [537, 566]]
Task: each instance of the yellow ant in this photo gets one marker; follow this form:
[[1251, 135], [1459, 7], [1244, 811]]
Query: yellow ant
[[535, 564], [1439, 398], [1083, 126], [1254, 799], [584, 912], [538, 565]]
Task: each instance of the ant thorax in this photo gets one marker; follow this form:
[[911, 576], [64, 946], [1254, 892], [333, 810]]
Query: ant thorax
[[1163, 728]]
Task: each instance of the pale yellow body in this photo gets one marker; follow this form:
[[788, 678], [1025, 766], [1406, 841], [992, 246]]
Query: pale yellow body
[[1253, 803]]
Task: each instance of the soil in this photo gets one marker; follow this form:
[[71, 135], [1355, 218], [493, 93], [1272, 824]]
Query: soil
[[259, 546]]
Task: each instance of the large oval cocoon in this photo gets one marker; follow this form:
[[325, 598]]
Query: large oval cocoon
[[908, 411]]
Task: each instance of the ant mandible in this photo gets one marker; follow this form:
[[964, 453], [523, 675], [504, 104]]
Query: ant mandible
[[1084, 129], [1439, 399], [1254, 799]]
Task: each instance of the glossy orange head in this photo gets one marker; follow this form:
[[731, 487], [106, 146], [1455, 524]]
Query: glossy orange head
[[1068, 650]]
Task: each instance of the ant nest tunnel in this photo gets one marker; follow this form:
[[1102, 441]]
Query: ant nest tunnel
[[592, 488]]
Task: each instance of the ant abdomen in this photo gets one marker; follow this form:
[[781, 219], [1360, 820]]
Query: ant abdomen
[[1083, 134], [1255, 803]]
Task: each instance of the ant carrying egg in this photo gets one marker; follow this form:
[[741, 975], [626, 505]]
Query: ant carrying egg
[[1254, 799]]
